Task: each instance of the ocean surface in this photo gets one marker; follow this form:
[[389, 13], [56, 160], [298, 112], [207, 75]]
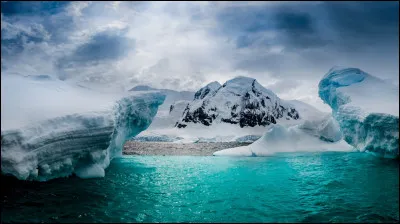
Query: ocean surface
[[289, 187]]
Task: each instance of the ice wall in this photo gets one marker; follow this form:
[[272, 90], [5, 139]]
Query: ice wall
[[57, 129], [366, 108]]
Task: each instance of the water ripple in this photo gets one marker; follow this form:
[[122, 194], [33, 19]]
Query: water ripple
[[300, 187]]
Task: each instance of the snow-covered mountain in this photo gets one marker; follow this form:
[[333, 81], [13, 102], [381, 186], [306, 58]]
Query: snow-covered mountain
[[250, 97], [242, 101]]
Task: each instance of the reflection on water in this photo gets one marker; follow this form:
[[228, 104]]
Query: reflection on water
[[295, 187]]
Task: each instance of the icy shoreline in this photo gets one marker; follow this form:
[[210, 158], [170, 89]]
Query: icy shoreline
[[177, 149]]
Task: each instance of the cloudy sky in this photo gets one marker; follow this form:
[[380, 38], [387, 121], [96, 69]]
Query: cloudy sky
[[286, 46]]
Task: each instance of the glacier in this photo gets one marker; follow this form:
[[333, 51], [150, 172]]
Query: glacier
[[366, 108], [51, 129], [320, 134]]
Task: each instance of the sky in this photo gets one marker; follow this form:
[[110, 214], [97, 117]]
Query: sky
[[287, 46]]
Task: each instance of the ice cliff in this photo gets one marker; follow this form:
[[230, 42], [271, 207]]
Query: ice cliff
[[366, 108], [50, 129]]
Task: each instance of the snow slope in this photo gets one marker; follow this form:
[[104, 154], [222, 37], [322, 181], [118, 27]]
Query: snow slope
[[171, 96], [172, 108], [50, 129], [322, 134], [242, 101], [306, 111], [162, 127], [366, 108]]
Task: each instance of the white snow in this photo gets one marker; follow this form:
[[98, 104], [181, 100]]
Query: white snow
[[162, 128], [306, 111], [290, 139], [50, 129], [166, 118], [366, 108], [242, 101], [194, 132], [248, 138], [228, 95]]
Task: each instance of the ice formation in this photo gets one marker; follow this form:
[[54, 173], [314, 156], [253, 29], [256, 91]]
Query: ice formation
[[248, 138], [366, 108], [50, 129], [322, 134]]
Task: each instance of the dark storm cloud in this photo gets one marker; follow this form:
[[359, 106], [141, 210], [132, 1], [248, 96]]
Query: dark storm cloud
[[104, 46], [294, 22], [298, 25], [234, 21], [292, 28], [9, 8], [24, 22], [298, 30], [360, 24], [317, 35]]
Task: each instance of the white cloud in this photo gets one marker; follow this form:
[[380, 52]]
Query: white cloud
[[178, 45], [75, 8]]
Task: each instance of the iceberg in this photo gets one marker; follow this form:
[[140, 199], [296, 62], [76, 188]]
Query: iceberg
[[321, 134], [366, 108], [52, 129]]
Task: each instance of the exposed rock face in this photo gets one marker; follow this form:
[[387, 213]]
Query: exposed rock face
[[241, 101]]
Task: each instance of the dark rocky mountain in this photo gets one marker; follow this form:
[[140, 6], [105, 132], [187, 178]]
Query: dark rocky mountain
[[242, 101]]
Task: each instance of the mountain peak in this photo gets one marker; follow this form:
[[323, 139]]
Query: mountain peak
[[209, 89], [240, 82], [214, 85], [241, 100]]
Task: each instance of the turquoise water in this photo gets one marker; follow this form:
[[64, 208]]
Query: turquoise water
[[306, 187]]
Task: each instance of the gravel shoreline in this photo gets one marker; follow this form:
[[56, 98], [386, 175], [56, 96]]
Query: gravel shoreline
[[177, 149]]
